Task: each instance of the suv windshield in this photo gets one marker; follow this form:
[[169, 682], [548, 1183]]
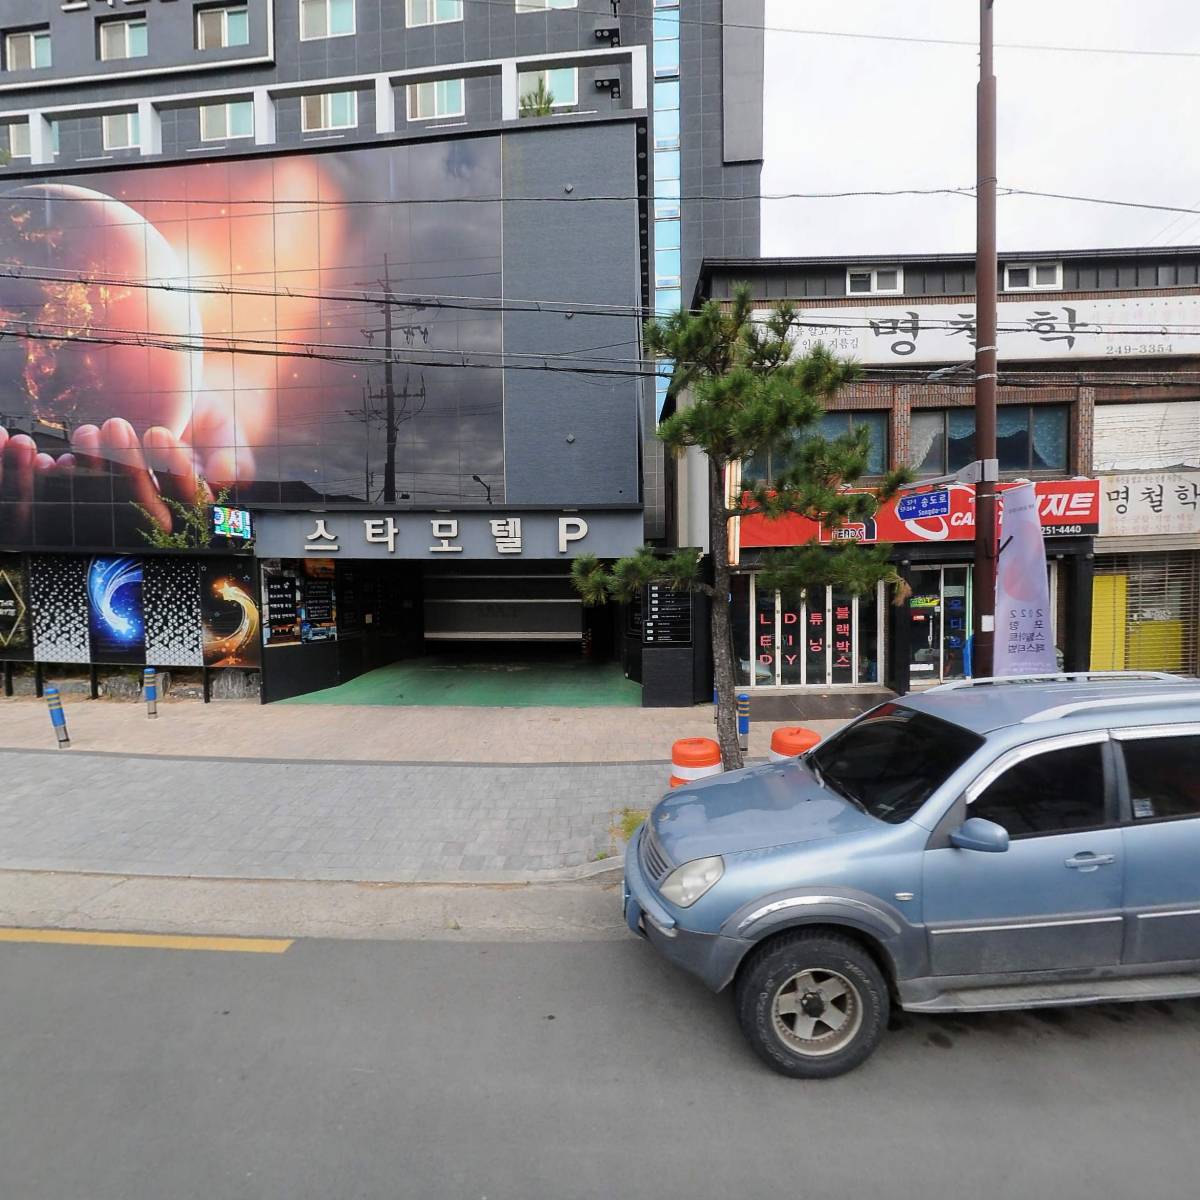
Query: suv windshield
[[891, 760]]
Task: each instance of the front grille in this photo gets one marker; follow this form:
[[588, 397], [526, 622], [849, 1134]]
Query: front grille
[[654, 862]]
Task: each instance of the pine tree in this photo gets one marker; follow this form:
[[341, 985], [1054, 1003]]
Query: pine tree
[[746, 397]]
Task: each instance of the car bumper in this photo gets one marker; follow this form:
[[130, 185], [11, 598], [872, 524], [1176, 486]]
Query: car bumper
[[711, 957]]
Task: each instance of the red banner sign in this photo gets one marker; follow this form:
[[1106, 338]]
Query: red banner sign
[[1067, 507]]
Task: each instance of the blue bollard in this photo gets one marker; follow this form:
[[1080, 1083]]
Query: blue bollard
[[716, 704], [150, 690], [58, 718], [743, 719]]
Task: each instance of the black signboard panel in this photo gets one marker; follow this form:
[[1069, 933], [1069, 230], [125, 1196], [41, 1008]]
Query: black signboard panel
[[281, 601], [666, 616]]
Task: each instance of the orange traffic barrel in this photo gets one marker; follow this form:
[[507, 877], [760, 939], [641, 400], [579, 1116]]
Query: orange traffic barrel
[[792, 740], [694, 758]]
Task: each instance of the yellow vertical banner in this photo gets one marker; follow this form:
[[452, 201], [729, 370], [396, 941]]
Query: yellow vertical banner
[[1109, 594]]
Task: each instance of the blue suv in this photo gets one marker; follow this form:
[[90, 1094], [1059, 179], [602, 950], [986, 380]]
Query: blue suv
[[990, 844]]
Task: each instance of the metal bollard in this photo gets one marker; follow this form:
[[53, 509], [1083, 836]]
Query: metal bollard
[[743, 719], [58, 718], [150, 689], [716, 705]]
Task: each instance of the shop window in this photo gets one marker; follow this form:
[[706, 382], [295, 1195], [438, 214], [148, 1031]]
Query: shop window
[[1029, 438], [833, 424], [814, 639]]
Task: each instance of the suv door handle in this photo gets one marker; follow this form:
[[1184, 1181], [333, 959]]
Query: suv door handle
[[1087, 861]]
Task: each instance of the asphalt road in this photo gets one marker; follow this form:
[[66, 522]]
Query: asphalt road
[[517, 1071]]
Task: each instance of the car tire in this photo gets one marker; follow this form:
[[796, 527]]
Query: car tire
[[812, 1004]]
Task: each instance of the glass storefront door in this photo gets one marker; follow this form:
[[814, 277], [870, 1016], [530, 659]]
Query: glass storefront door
[[815, 640], [939, 615]]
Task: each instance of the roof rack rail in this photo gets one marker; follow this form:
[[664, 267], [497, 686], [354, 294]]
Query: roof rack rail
[[1055, 677], [1067, 710]]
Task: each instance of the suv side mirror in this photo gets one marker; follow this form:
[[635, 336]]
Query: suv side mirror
[[976, 833]]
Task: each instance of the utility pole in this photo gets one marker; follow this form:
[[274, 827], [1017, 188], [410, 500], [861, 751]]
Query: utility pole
[[391, 424], [984, 572]]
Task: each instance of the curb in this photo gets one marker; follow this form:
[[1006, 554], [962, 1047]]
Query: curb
[[593, 870]]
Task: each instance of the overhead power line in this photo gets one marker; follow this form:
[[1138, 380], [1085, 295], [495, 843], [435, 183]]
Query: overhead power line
[[677, 16]]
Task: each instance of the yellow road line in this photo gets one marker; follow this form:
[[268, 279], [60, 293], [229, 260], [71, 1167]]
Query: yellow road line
[[148, 941]]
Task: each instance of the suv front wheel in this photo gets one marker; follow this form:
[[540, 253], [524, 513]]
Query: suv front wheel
[[812, 1004]]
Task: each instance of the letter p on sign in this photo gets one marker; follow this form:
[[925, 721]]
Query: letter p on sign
[[570, 529]]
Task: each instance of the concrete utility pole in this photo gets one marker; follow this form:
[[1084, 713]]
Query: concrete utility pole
[[984, 573]]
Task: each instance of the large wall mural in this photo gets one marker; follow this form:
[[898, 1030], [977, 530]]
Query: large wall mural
[[123, 293]]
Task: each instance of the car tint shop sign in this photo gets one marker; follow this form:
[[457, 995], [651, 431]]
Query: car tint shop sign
[[448, 536], [1066, 508]]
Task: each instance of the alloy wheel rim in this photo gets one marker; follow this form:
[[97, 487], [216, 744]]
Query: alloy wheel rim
[[817, 1012]]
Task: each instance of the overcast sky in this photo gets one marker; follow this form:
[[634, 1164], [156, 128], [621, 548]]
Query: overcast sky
[[844, 114]]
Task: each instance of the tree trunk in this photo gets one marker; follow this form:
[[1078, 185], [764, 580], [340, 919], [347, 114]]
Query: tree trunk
[[722, 641]]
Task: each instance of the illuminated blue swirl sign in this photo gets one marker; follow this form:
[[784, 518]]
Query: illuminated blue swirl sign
[[115, 619]]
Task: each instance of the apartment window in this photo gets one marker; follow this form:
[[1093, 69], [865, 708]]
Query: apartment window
[[217, 28], [331, 110], [437, 98], [326, 18], [433, 12], [666, 43], [1029, 437], [123, 39], [833, 425], [874, 281], [1033, 277], [27, 51], [221, 121], [18, 140], [561, 83], [528, 6], [121, 131]]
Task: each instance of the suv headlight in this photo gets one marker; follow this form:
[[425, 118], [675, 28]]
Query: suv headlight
[[685, 885]]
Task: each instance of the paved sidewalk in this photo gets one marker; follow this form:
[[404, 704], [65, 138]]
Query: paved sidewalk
[[230, 818], [331, 732]]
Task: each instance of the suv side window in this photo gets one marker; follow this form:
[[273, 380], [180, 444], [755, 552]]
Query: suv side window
[[1054, 792], [1164, 776]]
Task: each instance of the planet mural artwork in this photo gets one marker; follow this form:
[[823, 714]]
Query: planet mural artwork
[[172, 331]]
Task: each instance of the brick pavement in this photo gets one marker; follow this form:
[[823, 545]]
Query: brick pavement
[[229, 818], [233, 728]]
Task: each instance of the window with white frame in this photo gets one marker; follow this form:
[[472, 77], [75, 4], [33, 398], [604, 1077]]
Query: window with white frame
[[123, 39], [1033, 277], [217, 28], [329, 110], [528, 6], [560, 83], [28, 50], [18, 140], [232, 120], [436, 98], [433, 12], [874, 281], [326, 18], [121, 131]]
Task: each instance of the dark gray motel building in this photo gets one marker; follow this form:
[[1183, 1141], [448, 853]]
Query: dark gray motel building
[[321, 321]]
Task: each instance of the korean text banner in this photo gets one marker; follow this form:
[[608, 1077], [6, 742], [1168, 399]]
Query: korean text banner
[[1023, 643], [215, 331]]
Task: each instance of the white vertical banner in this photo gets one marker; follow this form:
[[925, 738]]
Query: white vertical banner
[[1024, 645]]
